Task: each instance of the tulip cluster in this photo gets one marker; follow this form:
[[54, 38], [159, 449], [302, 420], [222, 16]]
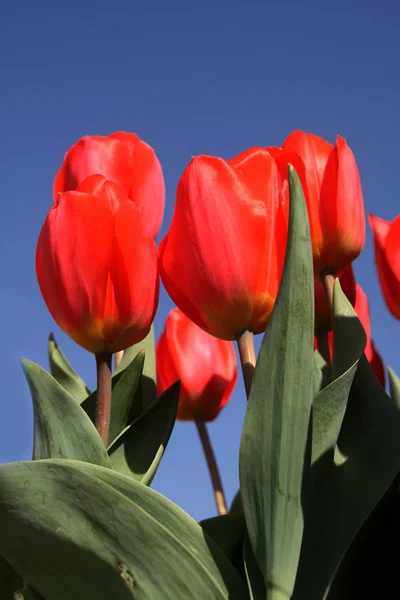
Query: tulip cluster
[[221, 260], [263, 242]]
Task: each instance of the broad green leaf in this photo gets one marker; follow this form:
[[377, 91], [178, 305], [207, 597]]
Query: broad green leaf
[[138, 451], [64, 373], [149, 379], [366, 463], [274, 451], [126, 403], [394, 383], [227, 531], [75, 530], [254, 578], [10, 581], [61, 427]]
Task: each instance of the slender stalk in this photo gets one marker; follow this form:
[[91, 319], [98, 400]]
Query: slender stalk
[[328, 281], [212, 465], [118, 356], [323, 345], [103, 398], [247, 355]]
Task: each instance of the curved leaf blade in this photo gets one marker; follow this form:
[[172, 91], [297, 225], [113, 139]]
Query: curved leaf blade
[[149, 379], [64, 373], [61, 427], [274, 450], [138, 451], [394, 384]]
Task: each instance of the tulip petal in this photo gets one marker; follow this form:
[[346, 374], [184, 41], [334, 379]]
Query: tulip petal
[[125, 159], [220, 229], [341, 208], [313, 152], [205, 365], [388, 280], [72, 265]]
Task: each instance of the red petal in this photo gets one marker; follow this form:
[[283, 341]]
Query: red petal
[[388, 280], [215, 248]]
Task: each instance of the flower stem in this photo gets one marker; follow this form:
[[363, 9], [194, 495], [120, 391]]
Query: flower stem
[[103, 398], [118, 356], [247, 355], [328, 281], [212, 465]]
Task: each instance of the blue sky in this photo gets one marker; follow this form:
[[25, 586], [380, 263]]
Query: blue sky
[[212, 77]]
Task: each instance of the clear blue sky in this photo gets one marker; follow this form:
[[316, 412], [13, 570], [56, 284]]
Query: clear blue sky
[[210, 77]]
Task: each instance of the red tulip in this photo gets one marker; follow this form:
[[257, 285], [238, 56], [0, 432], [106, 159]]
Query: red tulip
[[124, 159], [97, 267], [347, 281], [332, 190], [387, 258], [222, 259], [361, 307], [205, 365]]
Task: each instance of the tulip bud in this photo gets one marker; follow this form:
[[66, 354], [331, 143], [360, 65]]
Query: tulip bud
[[387, 259], [333, 194], [222, 259], [205, 365], [323, 319], [97, 267], [124, 159]]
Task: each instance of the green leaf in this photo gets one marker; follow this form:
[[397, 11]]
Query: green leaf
[[330, 404], [27, 595], [366, 463], [138, 451], [61, 428], [236, 506], [82, 531], [227, 531], [394, 383], [149, 380], [10, 581], [64, 373], [322, 373], [274, 451], [254, 578], [126, 403]]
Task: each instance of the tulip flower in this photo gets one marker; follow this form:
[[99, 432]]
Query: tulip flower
[[205, 365], [333, 194], [97, 267], [124, 159], [387, 258], [222, 259], [361, 307], [323, 318]]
